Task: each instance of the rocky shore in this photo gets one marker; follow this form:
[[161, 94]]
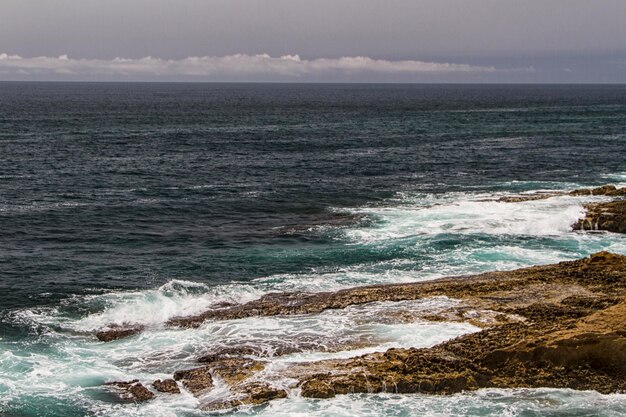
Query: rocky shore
[[609, 216], [559, 326], [605, 190]]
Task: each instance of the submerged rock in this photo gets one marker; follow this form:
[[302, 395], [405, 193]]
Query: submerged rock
[[131, 390], [528, 197], [609, 217]]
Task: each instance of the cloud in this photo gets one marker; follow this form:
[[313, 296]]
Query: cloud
[[239, 66]]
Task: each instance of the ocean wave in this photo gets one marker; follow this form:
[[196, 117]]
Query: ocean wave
[[468, 214]]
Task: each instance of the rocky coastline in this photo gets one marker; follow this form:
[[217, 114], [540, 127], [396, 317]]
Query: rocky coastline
[[558, 326]]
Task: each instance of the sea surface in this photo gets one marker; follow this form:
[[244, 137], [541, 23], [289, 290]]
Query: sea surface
[[136, 203]]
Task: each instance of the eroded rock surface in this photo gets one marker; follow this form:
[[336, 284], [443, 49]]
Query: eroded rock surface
[[167, 386], [573, 341], [197, 380], [239, 374], [253, 393], [605, 190], [560, 326], [493, 290], [118, 332], [131, 390], [608, 190], [610, 216]]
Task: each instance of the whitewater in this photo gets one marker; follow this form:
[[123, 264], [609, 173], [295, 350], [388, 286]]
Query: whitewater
[[64, 367]]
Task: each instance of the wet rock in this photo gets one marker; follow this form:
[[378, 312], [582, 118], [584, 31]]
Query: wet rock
[[317, 388], [235, 370], [488, 291], [260, 392], [238, 374], [528, 197], [561, 325], [197, 380], [118, 332], [131, 390], [255, 393], [605, 190], [167, 385], [231, 352], [276, 349], [608, 190], [609, 217]]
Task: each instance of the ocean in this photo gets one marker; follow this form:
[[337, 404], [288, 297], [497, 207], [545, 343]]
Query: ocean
[[139, 202]]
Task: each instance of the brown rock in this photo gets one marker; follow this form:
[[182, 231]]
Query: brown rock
[[493, 289], [260, 392], [608, 190], [609, 216], [235, 370], [317, 388], [132, 390], [167, 385], [197, 380], [528, 197], [561, 326], [255, 393], [118, 332]]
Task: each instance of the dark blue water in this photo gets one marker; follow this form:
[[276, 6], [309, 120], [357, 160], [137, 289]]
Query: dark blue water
[[130, 185], [106, 188]]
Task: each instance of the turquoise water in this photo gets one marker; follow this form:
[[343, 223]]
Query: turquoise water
[[136, 203]]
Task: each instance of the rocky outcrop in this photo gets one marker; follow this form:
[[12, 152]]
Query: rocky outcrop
[[239, 375], [560, 326], [168, 386], [488, 291], [253, 393], [559, 353], [576, 340], [118, 332], [605, 190], [131, 390], [196, 381], [529, 197], [610, 216]]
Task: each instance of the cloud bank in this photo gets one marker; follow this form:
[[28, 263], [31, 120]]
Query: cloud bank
[[232, 67]]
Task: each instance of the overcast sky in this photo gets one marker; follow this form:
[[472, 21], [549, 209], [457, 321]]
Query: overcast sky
[[314, 40]]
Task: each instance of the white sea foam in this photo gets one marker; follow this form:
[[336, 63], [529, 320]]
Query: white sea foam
[[469, 214], [73, 364], [153, 307], [485, 403], [438, 236]]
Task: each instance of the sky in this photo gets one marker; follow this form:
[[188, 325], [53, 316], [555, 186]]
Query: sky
[[314, 40]]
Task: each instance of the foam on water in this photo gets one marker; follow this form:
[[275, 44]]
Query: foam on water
[[469, 214], [427, 236], [151, 307], [73, 367], [484, 403]]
